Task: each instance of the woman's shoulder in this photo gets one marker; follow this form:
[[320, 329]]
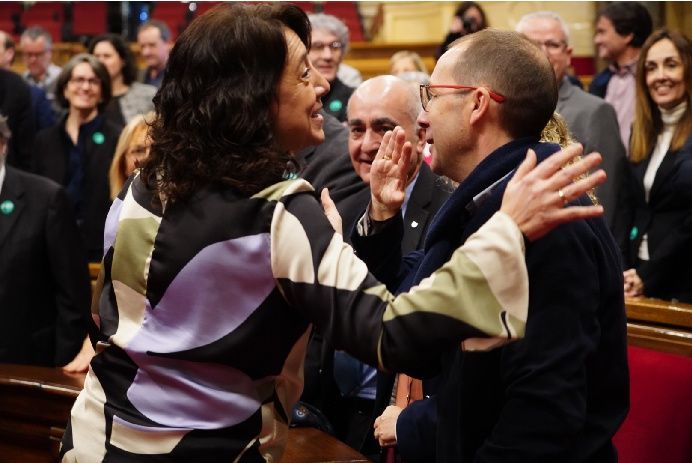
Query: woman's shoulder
[[139, 89], [285, 188]]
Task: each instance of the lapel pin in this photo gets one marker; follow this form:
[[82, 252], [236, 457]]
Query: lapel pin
[[7, 207], [414, 224]]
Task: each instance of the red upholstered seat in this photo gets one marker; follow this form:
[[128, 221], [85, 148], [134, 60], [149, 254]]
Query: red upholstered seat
[[658, 428]]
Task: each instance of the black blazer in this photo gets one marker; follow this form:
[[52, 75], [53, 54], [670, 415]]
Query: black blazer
[[44, 279], [51, 151], [666, 219], [15, 103]]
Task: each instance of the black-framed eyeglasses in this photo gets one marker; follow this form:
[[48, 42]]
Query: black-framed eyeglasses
[[333, 46], [426, 95]]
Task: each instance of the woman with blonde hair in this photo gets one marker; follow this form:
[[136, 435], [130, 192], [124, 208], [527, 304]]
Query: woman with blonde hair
[[133, 146], [406, 61], [655, 223]]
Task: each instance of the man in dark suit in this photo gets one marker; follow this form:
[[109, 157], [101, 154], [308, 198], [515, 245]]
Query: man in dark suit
[[561, 392], [350, 393], [44, 279], [15, 103]]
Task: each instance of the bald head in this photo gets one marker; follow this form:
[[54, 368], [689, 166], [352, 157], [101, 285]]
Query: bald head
[[376, 106]]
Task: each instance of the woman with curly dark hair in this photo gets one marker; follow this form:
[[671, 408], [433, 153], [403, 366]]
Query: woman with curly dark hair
[[129, 98], [217, 259]]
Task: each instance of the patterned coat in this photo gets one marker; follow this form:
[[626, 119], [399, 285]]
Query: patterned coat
[[205, 310]]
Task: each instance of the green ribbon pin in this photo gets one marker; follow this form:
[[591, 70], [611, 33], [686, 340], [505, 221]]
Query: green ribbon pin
[[7, 207], [335, 105], [98, 138], [633, 233]]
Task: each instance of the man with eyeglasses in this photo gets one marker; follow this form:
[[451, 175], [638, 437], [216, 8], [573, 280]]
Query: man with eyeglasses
[[591, 120], [327, 50], [560, 393], [37, 48]]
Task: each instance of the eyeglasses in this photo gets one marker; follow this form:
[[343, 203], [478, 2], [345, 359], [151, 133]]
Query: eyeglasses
[[319, 46], [35, 55], [80, 81], [426, 95], [551, 46]]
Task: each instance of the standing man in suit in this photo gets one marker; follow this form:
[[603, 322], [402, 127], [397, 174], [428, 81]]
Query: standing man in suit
[[15, 103], [621, 29], [591, 120], [44, 279], [376, 106]]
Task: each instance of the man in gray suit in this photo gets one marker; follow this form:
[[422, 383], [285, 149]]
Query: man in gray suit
[[591, 120]]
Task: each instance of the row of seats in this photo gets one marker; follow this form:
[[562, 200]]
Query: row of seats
[[90, 18]]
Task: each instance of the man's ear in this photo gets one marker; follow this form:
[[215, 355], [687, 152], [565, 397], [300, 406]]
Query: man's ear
[[481, 104], [629, 37]]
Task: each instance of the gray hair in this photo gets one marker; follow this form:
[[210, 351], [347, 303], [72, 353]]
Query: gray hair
[[163, 28], [5, 132], [332, 24], [521, 25], [36, 32]]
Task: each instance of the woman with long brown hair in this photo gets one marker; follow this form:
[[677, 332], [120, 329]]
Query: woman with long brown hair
[[655, 223]]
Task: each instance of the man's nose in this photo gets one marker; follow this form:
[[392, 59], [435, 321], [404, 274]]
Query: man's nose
[[422, 119], [371, 142]]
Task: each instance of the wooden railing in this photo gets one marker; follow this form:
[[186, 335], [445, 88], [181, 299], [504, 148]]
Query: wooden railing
[[660, 325], [35, 403]]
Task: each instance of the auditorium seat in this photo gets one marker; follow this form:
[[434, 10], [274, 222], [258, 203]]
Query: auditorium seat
[[174, 14], [658, 427], [49, 15], [348, 13], [10, 16], [89, 18]]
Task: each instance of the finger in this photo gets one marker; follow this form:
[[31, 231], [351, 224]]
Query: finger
[[556, 161], [569, 173], [547, 221], [382, 151], [405, 161], [327, 202], [526, 165], [399, 140], [581, 186]]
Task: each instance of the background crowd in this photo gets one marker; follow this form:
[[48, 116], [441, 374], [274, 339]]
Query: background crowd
[[70, 137]]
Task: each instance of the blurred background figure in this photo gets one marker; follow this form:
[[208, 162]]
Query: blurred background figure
[[406, 61], [327, 50], [132, 147], [44, 281], [592, 120], [468, 18], [655, 231], [40, 105], [155, 43], [37, 48], [129, 98], [77, 151], [621, 29]]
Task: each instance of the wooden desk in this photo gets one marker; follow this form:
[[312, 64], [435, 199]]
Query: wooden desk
[[659, 325], [35, 403]]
